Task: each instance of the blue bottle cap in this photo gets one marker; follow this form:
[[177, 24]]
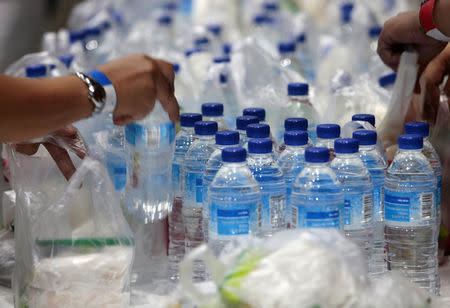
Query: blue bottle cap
[[296, 124], [243, 121], [298, 89], [328, 131], [346, 12], [364, 117], [227, 48], [223, 78], [176, 68], [227, 137], [215, 29], [201, 41], [301, 38], [212, 109], [375, 31], [106, 25], [387, 80], [365, 137], [260, 146], [76, 35], [222, 60], [296, 138], [260, 19], [170, 6], [317, 155], [346, 146], [286, 47], [190, 52], [165, 20], [189, 119], [205, 128], [67, 60], [258, 112], [410, 142], [234, 155], [36, 71], [271, 6], [419, 128], [92, 31], [258, 131]]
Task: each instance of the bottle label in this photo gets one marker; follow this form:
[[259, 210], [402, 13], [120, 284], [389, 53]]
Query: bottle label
[[176, 177], [438, 194], [378, 203], [234, 221], [271, 207], [193, 189], [320, 217], [151, 136], [277, 211], [409, 208], [358, 209]]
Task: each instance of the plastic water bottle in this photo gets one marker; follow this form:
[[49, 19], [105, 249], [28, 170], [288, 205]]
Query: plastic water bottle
[[193, 168], [387, 81], [183, 141], [364, 117], [149, 196], [377, 166], [214, 112], [271, 183], [410, 218], [300, 106], [305, 57], [288, 57], [241, 126], [317, 200], [223, 139], [228, 92], [291, 162], [292, 124], [36, 71], [357, 188], [326, 135], [257, 112], [234, 200], [423, 129]]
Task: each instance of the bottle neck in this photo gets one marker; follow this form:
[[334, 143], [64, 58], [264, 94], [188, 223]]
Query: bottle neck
[[234, 164], [298, 99], [207, 138], [221, 146], [296, 148], [367, 148], [262, 157], [410, 151], [317, 165], [187, 130]]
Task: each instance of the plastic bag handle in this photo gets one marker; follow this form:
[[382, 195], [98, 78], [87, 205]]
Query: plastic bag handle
[[214, 266]]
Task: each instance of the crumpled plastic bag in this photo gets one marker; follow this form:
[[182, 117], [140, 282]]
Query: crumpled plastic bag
[[73, 245], [55, 67], [296, 268]]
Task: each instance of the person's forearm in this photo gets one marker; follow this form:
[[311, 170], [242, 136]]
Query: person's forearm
[[31, 108], [441, 15]]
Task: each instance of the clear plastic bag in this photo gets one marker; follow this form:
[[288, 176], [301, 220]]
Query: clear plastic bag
[[301, 268], [54, 66], [73, 245]]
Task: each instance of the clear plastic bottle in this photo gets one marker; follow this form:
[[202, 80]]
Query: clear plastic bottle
[[214, 112], [259, 131], [357, 188], [409, 212], [288, 57], [216, 34], [193, 168], [387, 81], [300, 106], [257, 112], [289, 125], [364, 117], [224, 139], [317, 200], [377, 166], [234, 200], [271, 183], [423, 129], [291, 163], [326, 135], [183, 140], [241, 126], [148, 195]]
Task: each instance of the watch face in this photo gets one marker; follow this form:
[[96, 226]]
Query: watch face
[[99, 93]]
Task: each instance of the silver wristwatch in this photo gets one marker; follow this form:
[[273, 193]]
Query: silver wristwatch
[[96, 92]]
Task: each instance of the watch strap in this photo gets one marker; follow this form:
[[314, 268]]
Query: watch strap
[[427, 22], [110, 91]]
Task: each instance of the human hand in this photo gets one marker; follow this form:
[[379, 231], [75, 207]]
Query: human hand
[[56, 145], [430, 82], [140, 80], [402, 32]]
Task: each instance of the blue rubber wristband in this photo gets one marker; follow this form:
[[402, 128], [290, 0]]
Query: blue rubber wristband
[[111, 96]]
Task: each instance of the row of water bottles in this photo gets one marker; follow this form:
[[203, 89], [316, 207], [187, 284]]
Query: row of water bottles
[[306, 187]]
